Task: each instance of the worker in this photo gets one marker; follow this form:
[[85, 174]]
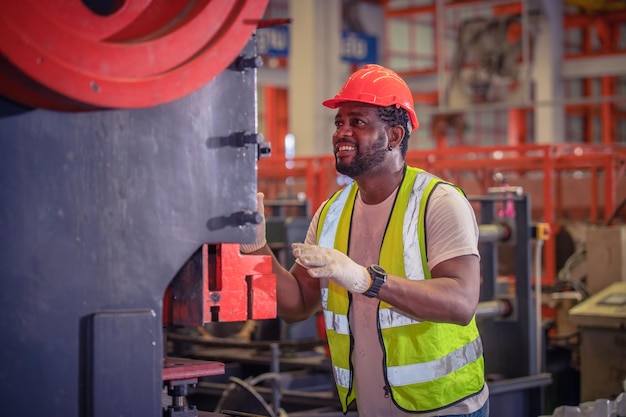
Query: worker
[[392, 258]]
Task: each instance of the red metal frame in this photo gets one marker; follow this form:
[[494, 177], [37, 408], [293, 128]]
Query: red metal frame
[[604, 26], [276, 118]]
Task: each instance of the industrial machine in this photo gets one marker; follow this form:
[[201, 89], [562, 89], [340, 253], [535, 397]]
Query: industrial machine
[[128, 152], [602, 319], [509, 315]]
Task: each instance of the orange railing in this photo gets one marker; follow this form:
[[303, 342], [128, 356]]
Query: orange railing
[[565, 181]]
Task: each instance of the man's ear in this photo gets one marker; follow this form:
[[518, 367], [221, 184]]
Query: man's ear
[[396, 135]]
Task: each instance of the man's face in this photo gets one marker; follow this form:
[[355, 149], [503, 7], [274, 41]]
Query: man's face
[[360, 141]]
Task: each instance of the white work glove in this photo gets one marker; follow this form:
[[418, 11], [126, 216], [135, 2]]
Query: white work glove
[[331, 263], [260, 240]]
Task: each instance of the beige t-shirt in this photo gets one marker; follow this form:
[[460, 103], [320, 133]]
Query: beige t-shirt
[[447, 213]]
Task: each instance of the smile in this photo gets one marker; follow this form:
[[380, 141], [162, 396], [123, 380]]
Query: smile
[[344, 148]]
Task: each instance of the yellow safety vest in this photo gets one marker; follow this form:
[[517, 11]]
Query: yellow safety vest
[[428, 366]]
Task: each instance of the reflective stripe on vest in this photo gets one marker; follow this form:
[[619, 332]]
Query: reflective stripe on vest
[[417, 381], [422, 372], [429, 371], [387, 317]]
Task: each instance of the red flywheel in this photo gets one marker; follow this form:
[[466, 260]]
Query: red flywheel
[[63, 55]]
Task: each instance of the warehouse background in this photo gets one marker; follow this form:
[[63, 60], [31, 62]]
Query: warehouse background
[[134, 136], [526, 94], [530, 92]]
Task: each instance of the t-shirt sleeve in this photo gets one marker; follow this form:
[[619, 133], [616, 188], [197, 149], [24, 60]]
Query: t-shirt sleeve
[[451, 227], [311, 233]]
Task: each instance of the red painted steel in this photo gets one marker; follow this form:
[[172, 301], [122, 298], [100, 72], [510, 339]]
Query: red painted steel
[[147, 53], [245, 286], [175, 368], [218, 284]]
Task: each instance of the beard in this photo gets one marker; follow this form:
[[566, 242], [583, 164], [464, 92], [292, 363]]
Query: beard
[[365, 160]]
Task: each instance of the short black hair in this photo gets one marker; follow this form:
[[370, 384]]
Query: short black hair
[[397, 116]]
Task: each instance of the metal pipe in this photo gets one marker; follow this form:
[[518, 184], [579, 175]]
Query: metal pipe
[[526, 33], [493, 233], [508, 190], [275, 369], [493, 309], [443, 75], [538, 320]]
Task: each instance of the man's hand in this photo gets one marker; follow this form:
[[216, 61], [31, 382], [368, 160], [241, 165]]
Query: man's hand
[[260, 240], [330, 263]]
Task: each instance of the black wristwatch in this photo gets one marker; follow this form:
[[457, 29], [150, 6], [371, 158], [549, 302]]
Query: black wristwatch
[[379, 277]]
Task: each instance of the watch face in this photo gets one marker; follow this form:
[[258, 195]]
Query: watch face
[[379, 277], [378, 270]]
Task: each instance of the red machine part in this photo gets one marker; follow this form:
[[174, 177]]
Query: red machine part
[[185, 368], [218, 284], [58, 54]]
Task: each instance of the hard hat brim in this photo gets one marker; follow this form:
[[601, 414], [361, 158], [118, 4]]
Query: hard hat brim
[[334, 103]]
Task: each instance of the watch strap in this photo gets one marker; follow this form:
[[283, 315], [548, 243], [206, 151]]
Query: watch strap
[[379, 277]]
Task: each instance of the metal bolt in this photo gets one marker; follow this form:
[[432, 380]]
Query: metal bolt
[[248, 217], [242, 63]]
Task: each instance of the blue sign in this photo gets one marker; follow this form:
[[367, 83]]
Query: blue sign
[[273, 41], [358, 48]]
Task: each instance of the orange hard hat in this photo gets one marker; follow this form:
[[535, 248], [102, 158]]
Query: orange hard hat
[[375, 84]]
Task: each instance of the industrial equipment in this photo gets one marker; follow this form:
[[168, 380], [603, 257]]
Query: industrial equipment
[[128, 153], [602, 320], [512, 334]]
